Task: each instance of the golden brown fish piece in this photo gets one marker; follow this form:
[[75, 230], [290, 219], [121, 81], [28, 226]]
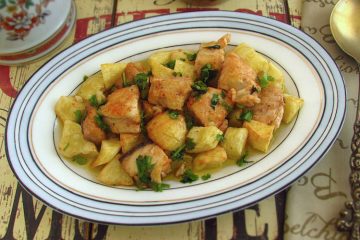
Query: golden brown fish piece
[[122, 111], [210, 108], [271, 108], [170, 93], [238, 76], [92, 132], [211, 53], [158, 158]]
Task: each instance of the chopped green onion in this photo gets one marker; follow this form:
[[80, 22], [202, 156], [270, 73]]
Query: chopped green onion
[[100, 123], [242, 161]]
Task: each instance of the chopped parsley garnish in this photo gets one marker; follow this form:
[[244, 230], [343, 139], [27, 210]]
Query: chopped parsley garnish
[[206, 177], [142, 81], [189, 177], [265, 80], [190, 144], [144, 166], [199, 86], [173, 114], [100, 123], [125, 83], [220, 137], [159, 187], [175, 74], [240, 106], [66, 146], [79, 116], [79, 160], [216, 46], [242, 161], [207, 73], [94, 102], [227, 106], [189, 121], [247, 115], [142, 123], [178, 154], [170, 64], [191, 56], [223, 94], [85, 78], [214, 100]]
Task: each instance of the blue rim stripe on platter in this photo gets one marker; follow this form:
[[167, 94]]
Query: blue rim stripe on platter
[[70, 203]]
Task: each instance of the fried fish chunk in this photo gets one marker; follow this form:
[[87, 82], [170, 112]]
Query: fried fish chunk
[[170, 92], [122, 111], [238, 75], [158, 158]]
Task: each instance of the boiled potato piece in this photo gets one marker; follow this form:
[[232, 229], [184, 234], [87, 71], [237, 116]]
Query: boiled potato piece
[[68, 108], [259, 135], [211, 159], [167, 132], [160, 57], [112, 72], [292, 107], [109, 148], [130, 140], [93, 86], [260, 64], [186, 69], [204, 138], [178, 55], [114, 174], [160, 71], [72, 142], [234, 142]]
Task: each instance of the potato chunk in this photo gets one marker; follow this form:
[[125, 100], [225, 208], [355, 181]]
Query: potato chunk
[[204, 138], [93, 86], [160, 71], [109, 148], [185, 69], [207, 114], [66, 108], [158, 158], [167, 132], [128, 141], [114, 174], [122, 111], [73, 143], [91, 130], [260, 64], [292, 107], [211, 159], [259, 135], [112, 72], [234, 142], [170, 92]]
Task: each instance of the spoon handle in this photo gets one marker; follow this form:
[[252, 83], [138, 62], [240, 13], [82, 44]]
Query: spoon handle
[[350, 217]]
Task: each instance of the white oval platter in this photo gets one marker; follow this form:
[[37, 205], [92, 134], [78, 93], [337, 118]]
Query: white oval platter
[[32, 130]]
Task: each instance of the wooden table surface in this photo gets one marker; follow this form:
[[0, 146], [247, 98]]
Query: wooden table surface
[[24, 217]]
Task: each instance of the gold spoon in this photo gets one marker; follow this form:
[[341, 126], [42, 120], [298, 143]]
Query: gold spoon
[[345, 27]]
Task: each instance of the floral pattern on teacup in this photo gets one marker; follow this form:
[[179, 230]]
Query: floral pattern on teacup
[[21, 16]]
